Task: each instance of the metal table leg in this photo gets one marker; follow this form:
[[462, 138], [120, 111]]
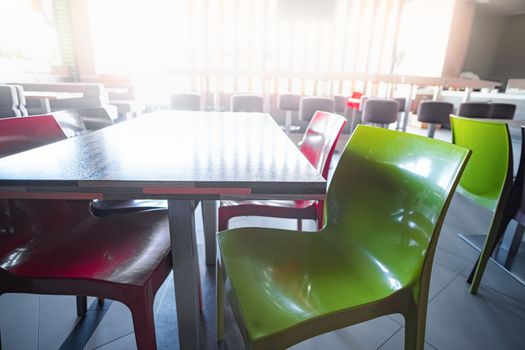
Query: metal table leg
[[185, 271], [45, 105], [209, 218]]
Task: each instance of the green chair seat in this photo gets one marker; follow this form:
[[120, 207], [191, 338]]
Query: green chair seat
[[307, 277], [385, 208]]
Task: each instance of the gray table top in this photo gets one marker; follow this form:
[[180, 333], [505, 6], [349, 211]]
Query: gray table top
[[52, 95], [168, 154]]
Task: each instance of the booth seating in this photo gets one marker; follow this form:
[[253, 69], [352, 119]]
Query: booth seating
[[94, 95], [21, 100], [9, 102], [123, 97]]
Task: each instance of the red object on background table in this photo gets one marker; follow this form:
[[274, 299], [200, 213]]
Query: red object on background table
[[354, 100]]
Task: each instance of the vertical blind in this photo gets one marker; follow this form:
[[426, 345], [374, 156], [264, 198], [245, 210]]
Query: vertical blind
[[264, 46]]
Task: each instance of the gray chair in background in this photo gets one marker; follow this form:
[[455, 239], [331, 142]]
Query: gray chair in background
[[474, 110], [340, 102], [243, 102], [502, 110], [289, 103], [380, 111], [187, 101], [9, 102], [434, 112], [311, 104]]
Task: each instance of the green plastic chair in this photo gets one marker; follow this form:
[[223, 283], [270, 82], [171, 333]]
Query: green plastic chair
[[385, 208], [487, 178]]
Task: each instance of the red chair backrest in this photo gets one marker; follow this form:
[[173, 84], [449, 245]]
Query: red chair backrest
[[21, 220], [23, 133], [320, 139]]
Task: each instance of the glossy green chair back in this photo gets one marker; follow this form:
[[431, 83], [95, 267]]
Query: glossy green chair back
[[489, 170], [487, 179], [387, 201]]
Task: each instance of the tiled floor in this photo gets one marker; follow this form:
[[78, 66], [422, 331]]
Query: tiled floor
[[493, 319]]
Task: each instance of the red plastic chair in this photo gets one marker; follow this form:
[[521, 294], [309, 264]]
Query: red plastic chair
[[318, 146], [124, 258]]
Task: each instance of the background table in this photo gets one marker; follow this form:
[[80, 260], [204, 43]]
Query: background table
[[45, 96], [179, 156]]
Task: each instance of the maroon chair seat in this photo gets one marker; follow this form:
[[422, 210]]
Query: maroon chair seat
[[318, 146], [57, 247]]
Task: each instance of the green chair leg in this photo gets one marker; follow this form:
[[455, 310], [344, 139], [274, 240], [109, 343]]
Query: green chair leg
[[415, 322], [485, 253]]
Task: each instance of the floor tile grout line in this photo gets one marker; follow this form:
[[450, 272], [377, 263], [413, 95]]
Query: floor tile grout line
[[445, 287], [455, 253], [432, 346], [503, 294], [443, 266], [386, 341], [111, 341]]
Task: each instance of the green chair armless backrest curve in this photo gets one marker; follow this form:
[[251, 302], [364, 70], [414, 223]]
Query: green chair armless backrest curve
[[488, 176], [386, 205]]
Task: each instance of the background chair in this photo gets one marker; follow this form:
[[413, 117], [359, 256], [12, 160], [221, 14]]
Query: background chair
[[185, 101], [340, 105], [514, 209], [9, 102], [474, 110], [311, 104], [434, 112], [373, 257], [247, 103], [124, 258], [318, 146], [488, 176], [502, 110], [289, 103], [380, 111]]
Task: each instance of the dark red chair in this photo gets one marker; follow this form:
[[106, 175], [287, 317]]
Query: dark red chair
[[57, 247], [318, 146]]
